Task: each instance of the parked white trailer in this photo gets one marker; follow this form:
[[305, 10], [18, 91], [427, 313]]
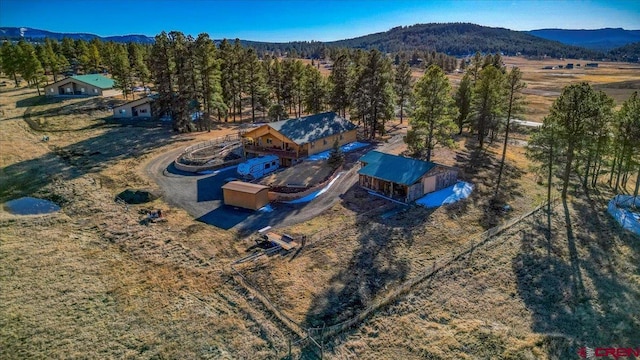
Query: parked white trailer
[[258, 167]]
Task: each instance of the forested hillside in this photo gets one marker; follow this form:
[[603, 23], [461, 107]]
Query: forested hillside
[[464, 39], [456, 39], [629, 52]]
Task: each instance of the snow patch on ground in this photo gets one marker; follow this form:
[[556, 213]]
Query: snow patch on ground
[[454, 193], [345, 149], [621, 206], [314, 194]]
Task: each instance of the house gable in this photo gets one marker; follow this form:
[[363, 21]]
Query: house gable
[[393, 168]]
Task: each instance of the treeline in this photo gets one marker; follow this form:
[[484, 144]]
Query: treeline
[[199, 78], [629, 53], [485, 102], [581, 139], [584, 139]]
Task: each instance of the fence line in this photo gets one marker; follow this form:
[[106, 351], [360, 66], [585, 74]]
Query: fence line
[[475, 241], [290, 324], [310, 334], [216, 141]]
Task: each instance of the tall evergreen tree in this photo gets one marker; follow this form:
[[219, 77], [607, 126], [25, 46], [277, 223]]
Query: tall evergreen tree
[[207, 67], [570, 111], [256, 83], [339, 80], [226, 76], [402, 85], [626, 140], [463, 97], [31, 69], [487, 102], [513, 89], [160, 67], [11, 58], [374, 89], [432, 122], [315, 90], [122, 71]]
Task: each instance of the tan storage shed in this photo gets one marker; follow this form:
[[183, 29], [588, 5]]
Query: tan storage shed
[[245, 195]]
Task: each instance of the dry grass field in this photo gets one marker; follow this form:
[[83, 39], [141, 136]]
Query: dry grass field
[[518, 297], [93, 280], [618, 80]]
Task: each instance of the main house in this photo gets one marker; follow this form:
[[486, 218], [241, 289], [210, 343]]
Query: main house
[[140, 108], [82, 85], [401, 178], [293, 139]]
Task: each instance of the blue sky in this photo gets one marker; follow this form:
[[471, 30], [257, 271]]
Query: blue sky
[[290, 20]]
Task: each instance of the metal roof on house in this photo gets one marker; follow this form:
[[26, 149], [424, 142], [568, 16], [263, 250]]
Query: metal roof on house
[[96, 80], [142, 100], [244, 187], [393, 168], [314, 127]]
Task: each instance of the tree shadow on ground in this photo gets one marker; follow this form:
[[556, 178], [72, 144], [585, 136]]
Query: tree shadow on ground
[[480, 167], [87, 156], [580, 287], [370, 270]]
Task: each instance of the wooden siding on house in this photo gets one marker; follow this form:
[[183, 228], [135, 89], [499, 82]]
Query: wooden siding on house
[[266, 140], [245, 195]]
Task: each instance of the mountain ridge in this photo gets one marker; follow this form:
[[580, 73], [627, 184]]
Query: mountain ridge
[[457, 39], [604, 39]]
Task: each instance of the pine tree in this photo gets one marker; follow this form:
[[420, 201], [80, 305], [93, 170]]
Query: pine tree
[[339, 80], [11, 57], [315, 90], [373, 92], [463, 98], [626, 140], [576, 104], [596, 139], [122, 71], [226, 76], [31, 69], [256, 83], [402, 85], [160, 67], [207, 67], [432, 122], [83, 55], [487, 102], [514, 86], [94, 59]]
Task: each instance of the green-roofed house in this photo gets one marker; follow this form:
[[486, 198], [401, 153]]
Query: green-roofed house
[[82, 85], [293, 139], [401, 178]]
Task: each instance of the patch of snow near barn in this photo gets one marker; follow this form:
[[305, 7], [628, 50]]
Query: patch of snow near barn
[[620, 208], [450, 195], [345, 149], [314, 194]]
